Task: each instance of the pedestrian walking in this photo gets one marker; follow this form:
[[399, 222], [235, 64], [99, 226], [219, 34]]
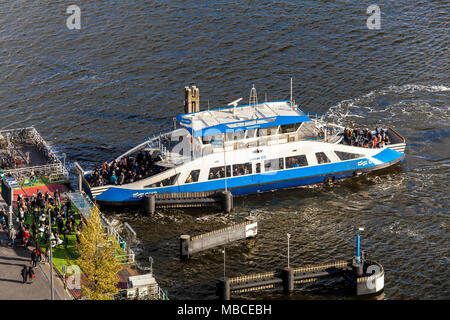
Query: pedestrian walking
[[25, 237], [33, 258], [12, 236], [38, 254], [31, 274], [47, 255], [25, 274]]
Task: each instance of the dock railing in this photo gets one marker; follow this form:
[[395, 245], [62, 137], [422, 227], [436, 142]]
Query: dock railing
[[54, 165], [85, 205]]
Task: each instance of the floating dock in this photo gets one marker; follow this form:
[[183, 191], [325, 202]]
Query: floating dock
[[366, 276], [223, 200], [190, 245]]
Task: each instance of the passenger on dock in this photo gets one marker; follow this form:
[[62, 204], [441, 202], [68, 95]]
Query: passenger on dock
[[12, 236], [47, 255], [31, 274], [25, 238], [57, 197], [34, 258], [24, 274], [66, 233]]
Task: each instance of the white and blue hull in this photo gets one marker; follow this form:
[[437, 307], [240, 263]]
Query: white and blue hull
[[314, 173]]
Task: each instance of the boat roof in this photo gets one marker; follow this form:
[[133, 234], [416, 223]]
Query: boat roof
[[245, 117]]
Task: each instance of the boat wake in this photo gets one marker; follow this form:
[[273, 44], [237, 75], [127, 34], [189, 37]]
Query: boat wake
[[395, 104]]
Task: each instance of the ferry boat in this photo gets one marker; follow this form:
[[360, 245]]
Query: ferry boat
[[245, 149]]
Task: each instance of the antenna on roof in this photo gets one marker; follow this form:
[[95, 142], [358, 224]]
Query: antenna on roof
[[291, 92], [234, 104], [253, 97]]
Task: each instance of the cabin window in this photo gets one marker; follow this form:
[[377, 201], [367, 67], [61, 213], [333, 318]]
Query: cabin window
[[266, 131], [238, 135], [165, 183], [322, 158], [251, 133], [287, 128], [219, 172], [296, 161], [193, 176], [347, 155], [258, 167], [242, 169], [273, 164]]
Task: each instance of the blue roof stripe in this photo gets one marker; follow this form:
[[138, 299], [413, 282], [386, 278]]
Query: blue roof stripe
[[225, 127]]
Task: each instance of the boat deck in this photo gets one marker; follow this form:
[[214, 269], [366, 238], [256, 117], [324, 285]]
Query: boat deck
[[21, 155]]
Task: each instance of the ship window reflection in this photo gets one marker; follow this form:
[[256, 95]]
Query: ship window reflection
[[273, 164], [296, 161], [322, 158], [347, 155], [193, 176], [219, 172], [242, 169], [164, 183]]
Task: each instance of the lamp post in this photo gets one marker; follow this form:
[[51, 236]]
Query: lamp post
[[51, 256], [223, 251], [288, 237], [358, 240]]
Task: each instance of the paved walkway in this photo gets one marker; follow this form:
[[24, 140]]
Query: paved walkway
[[12, 261]]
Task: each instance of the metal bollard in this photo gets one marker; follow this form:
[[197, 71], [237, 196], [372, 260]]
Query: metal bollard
[[149, 203], [288, 279], [223, 289], [185, 241], [227, 199]]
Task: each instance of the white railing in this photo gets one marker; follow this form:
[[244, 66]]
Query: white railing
[[84, 205]]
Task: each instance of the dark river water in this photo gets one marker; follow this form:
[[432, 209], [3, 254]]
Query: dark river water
[[94, 93]]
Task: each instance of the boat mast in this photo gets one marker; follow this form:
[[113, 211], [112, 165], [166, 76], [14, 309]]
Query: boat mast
[[291, 92]]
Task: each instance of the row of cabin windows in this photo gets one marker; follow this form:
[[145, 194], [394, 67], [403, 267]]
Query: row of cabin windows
[[238, 170], [250, 133], [246, 168]]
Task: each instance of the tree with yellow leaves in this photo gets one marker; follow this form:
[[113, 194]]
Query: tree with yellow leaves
[[96, 259]]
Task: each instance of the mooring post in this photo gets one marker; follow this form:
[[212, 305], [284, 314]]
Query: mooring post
[[288, 279], [357, 267], [149, 203], [185, 242], [224, 289], [227, 199]]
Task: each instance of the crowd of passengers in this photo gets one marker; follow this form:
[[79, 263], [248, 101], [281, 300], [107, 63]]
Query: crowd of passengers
[[125, 170], [366, 138]]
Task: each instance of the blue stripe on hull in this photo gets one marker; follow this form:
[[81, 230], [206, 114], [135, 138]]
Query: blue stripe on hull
[[262, 182]]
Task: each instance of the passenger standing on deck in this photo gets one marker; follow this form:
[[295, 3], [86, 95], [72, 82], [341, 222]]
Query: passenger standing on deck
[[25, 274]]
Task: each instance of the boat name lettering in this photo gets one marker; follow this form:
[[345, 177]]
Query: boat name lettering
[[363, 163], [140, 194]]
